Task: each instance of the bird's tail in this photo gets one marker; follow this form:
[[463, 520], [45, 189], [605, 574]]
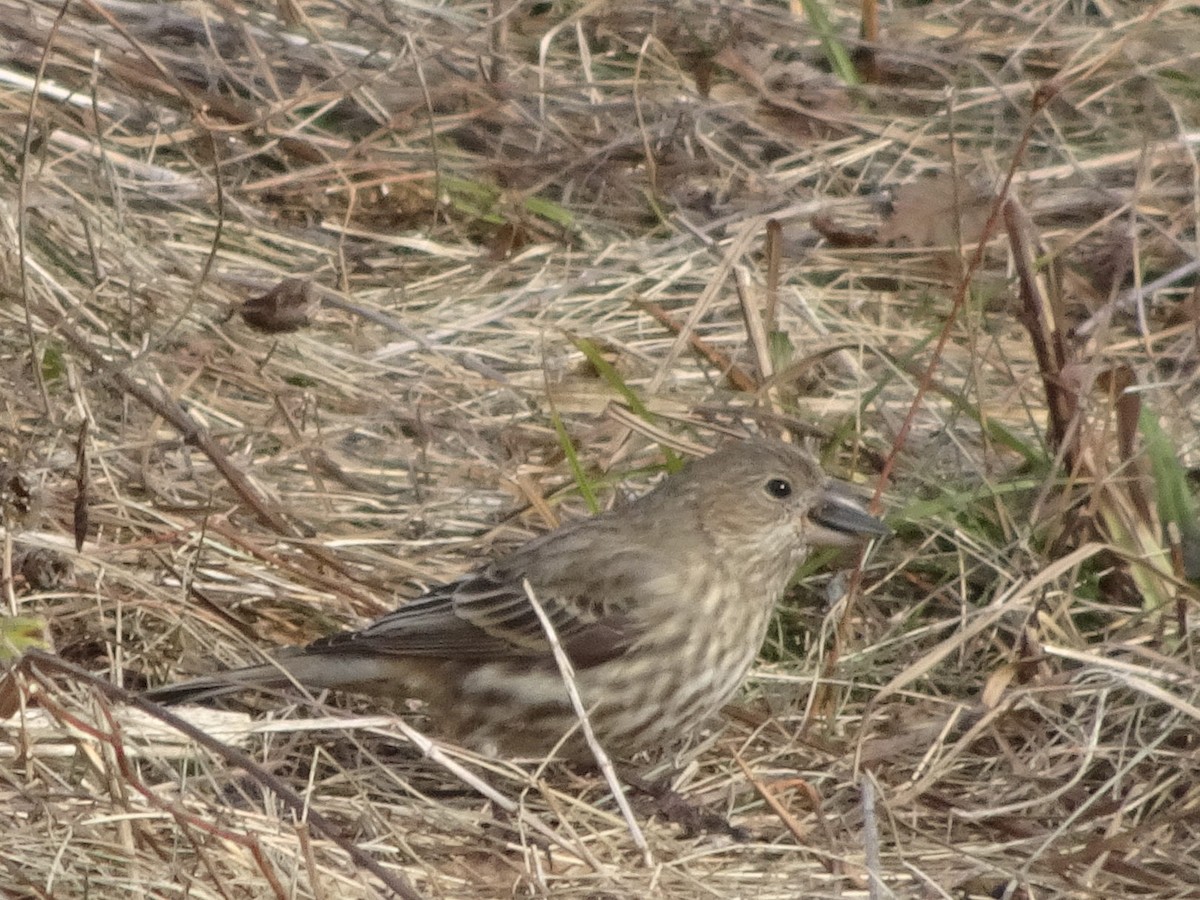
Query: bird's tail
[[313, 671], [209, 687]]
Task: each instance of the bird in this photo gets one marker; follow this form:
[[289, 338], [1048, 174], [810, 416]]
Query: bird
[[661, 605]]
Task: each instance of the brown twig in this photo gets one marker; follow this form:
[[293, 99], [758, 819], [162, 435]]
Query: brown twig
[[36, 661], [194, 434], [740, 379]]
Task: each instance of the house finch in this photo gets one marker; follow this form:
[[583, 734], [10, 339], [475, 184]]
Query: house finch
[[661, 606]]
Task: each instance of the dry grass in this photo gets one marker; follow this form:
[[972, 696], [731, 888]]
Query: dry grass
[[1006, 703]]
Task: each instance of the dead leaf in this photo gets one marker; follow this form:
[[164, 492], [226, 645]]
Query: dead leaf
[[997, 684], [286, 307], [794, 99], [937, 211]]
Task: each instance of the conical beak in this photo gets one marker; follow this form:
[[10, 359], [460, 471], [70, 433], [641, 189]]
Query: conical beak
[[839, 518]]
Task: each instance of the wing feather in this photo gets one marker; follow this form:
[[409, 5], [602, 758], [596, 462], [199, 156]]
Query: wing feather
[[487, 615]]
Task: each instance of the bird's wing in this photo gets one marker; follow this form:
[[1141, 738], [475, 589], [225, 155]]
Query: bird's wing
[[487, 615]]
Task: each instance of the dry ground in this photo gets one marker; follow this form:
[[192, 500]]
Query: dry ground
[[651, 223]]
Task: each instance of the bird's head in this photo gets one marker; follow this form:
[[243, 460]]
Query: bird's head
[[775, 496]]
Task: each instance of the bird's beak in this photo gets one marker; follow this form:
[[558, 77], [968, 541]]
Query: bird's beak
[[839, 518]]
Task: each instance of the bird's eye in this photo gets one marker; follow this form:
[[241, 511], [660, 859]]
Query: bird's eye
[[779, 488]]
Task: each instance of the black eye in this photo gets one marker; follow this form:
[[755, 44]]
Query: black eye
[[779, 488]]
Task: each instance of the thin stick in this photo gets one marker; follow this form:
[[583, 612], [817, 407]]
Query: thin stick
[[870, 835], [431, 751], [719, 358], [602, 760], [40, 661]]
